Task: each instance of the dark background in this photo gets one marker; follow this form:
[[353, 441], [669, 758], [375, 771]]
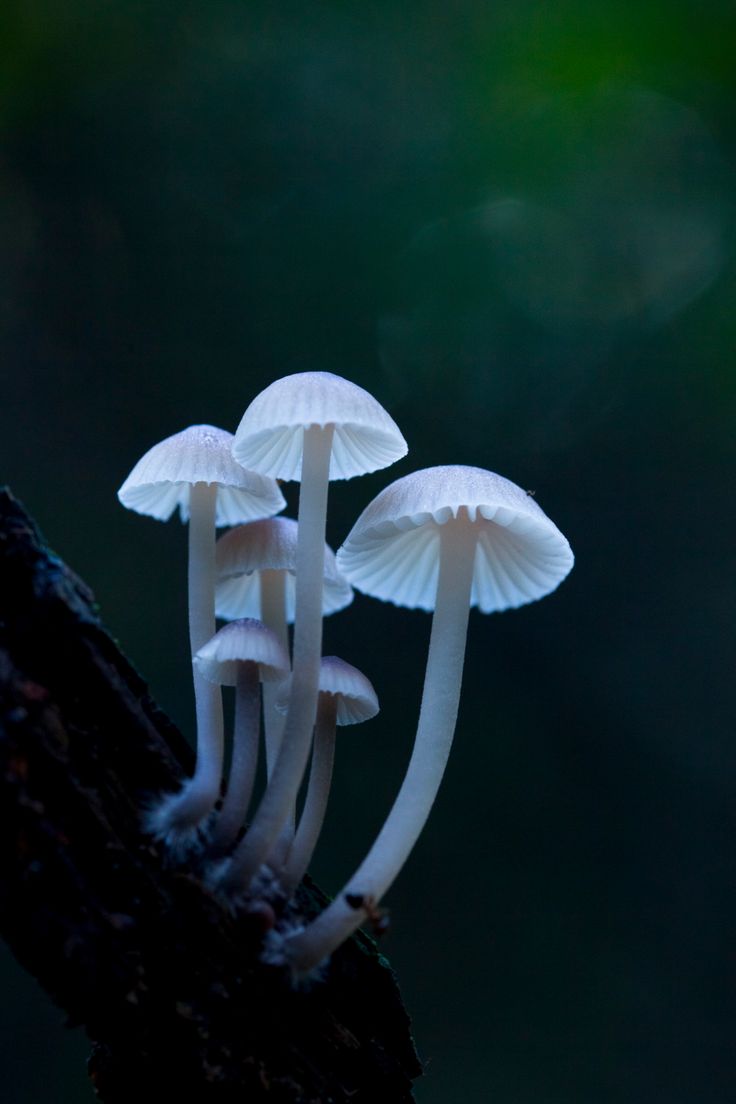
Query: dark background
[[514, 224]]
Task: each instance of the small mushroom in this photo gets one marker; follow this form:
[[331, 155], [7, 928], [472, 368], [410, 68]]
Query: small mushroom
[[312, 426], [256, 577], [248, 554], [346, 697], [242, 654], [446, 538], [194, 471]]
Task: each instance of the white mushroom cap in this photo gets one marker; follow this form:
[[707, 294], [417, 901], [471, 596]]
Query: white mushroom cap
[[246, 640], [161, 479], [268, 544], [356, 698], [392, 551], [269, 437]]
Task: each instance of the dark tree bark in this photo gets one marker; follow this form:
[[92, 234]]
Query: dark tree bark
[[167, 983]]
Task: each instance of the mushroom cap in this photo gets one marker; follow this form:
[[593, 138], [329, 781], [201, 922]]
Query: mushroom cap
[[161, 479], [392, 551], [243, 641], [268, 545], [270, 435], [356, 698]]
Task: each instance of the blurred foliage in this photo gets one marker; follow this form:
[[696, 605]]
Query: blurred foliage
[[514, 223]]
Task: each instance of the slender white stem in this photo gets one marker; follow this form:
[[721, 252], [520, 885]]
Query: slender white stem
[[273, 615], [272, 585], [282, 789], [435, 730], [245, 756], [315, 805], [198, 796], [208, 696]]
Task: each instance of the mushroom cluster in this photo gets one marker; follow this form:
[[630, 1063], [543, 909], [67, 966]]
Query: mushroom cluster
[[443, 539]]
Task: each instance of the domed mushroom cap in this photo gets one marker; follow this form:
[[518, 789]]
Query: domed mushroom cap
[[268, 545], [246, 640], [356, 698], [392, 551], [270, 435], [162, 478]]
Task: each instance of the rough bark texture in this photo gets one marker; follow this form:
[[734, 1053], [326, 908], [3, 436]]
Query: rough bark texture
[[166, 982]]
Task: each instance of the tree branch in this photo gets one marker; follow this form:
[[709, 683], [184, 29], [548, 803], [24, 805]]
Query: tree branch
[[166, 982]]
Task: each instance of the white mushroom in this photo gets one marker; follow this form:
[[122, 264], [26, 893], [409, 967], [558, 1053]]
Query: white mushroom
[[247, 554], [242, 654], [194, 471], [445, 538], [313, 426], [346, 697]]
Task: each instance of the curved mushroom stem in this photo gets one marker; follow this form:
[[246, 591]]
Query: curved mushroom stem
[[273, 615], [245, 756], [283, 786], [315, 805], [184, 810], [435, 730]]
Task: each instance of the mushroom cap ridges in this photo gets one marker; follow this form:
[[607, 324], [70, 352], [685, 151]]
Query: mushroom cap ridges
[[245, 640], [270, 435], [162, 478], [392, 551], [268, 544], [356, 699]]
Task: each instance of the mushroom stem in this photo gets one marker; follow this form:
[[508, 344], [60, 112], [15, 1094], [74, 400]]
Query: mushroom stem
[[315, 805], [245, 755], [435, 730], [273, 615], [204, 789], [185, 809], [272, 585], [273, 811]]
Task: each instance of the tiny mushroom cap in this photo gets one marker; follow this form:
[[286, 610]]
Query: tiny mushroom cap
[[270, 435], [245, 640], [392, 551], [354, 695], [268, 544], [162, 478]]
